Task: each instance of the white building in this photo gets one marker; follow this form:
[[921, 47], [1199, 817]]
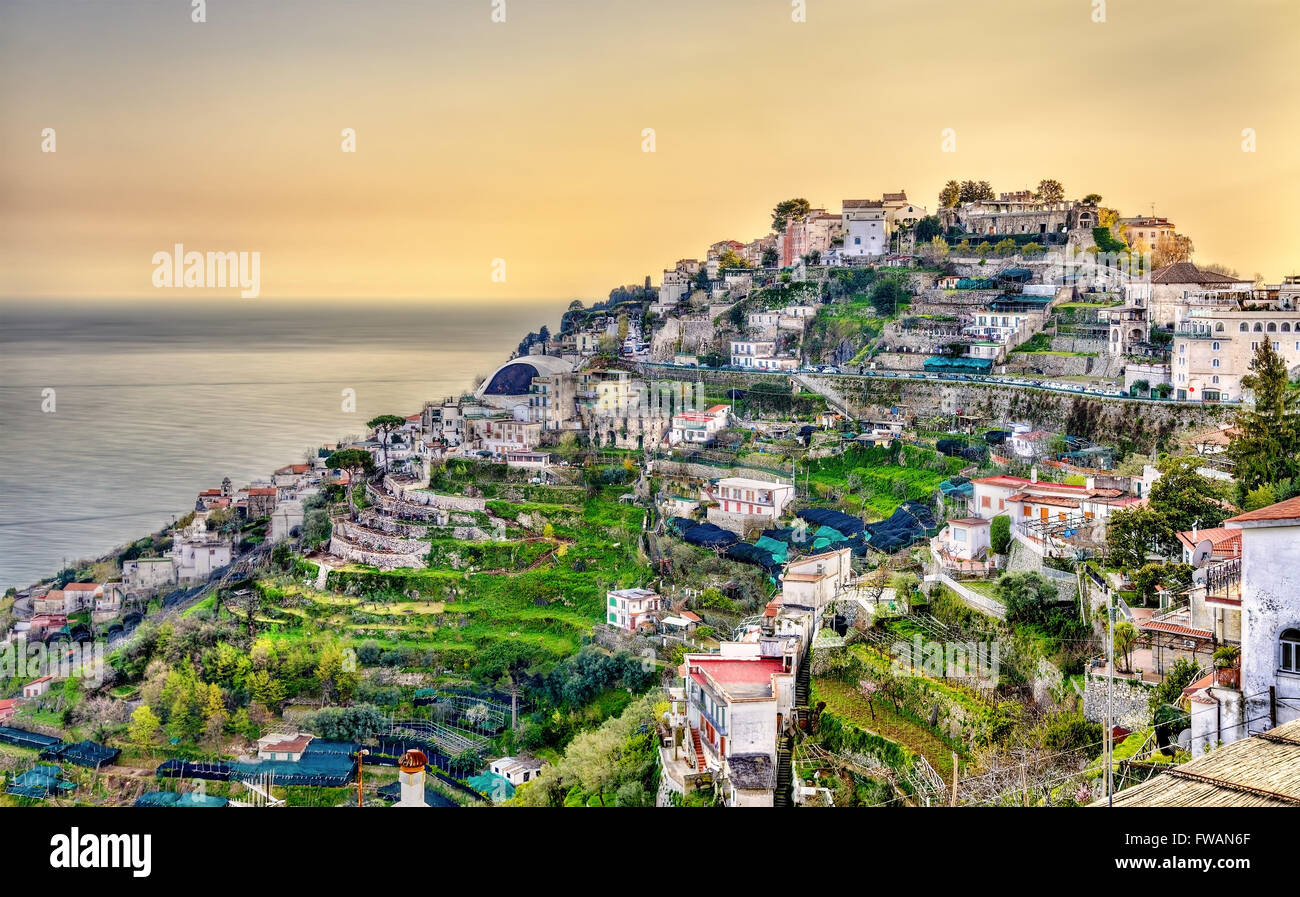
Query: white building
[[517, 770], [866, 227], [629, 608], [759, 498], [698, 427], [816, 580], [148, 574], [738, 702]]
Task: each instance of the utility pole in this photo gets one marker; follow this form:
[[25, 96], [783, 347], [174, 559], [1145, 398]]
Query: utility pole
[[360, 773], [1110, 681]]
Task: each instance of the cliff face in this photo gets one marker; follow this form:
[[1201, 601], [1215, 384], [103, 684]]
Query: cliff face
[[1133, 425]]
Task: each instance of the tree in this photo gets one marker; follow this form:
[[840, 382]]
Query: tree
[[1133, 533], [1049, 191], [1092, 198], [928, 228], [1028, 597], [1126, 636], [770, 257], [950, 195], [887, 295], [1260, 497], [1000, 534], [1171, 248], [1141, 386], [354, 461], [384, 425], [973, 191], [1266, 448], [1186, 497], [144, 726], [729, 259], [789, 211]]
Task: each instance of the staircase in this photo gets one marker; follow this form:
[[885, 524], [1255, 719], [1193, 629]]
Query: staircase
[[699, 750], [784, 751], [802, 684]]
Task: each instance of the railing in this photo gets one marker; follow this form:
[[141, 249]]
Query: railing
[[1221, 578]]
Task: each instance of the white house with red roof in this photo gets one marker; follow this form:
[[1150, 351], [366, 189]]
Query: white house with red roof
[[738, 702], [629, 609], [7, 709], [814, 581], [1263, 587], [698, 427]]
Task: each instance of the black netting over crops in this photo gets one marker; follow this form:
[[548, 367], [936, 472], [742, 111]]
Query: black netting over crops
[[847, 524], [708, 535], [194, 769], [23, 738], [910, 522], [750, 554], [83, 753]]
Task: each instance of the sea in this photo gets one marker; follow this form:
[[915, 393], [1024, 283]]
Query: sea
[[114, 415]]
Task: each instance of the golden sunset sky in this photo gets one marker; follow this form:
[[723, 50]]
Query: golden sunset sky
[[522, 140]]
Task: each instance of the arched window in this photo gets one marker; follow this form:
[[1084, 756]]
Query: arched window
[[1272, 327], [1215, 378], [1286, 326], [1218, 327], [1289, 643], [1244, 327], [1259, 328]]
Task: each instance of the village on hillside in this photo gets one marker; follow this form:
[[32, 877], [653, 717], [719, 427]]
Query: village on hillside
[[989, 499]]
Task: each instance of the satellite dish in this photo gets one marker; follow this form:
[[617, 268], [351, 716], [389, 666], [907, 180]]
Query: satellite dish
[[1199, 576], [1204, 549], [1185, 740]]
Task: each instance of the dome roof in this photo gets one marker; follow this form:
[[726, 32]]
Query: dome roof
[[513, 377]]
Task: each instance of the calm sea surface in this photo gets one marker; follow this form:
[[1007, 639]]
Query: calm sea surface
[[154, 402]]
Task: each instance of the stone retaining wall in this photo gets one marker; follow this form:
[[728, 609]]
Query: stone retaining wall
[[1128, 702]]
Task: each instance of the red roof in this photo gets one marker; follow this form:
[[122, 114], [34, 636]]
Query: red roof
[[740, 671], [261, 491], [1003, 480], [80, 587], [1283, 510], [1221, 539], [690, 616], [292, 746]]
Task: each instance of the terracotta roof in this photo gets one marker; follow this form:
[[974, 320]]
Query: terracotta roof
[[862, 204], [1283, 510], [1186, 272], [1220, 538], [971, 521], [895, 197], [292, 746], [265, 491], [1177, 629], [1002, 480], [80, 587]]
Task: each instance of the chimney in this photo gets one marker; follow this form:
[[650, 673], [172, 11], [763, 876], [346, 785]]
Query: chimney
[[411, 779], [1033, 474]]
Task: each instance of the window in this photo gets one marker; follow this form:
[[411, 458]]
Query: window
[[1218, 327], [1244, 327], [1259, 328], [1272, 327], [1215, 379], [1216, 362], [1182, 348], [1277, 347], [1289, 642], [1216, 349], [1286, 326]]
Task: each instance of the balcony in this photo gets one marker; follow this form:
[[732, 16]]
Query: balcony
[[1223, 583], [1197, 334]]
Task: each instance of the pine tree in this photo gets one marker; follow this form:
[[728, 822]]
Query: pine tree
[[1266, 448]]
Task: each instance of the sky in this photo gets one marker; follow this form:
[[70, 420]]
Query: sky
[[523, 140]]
